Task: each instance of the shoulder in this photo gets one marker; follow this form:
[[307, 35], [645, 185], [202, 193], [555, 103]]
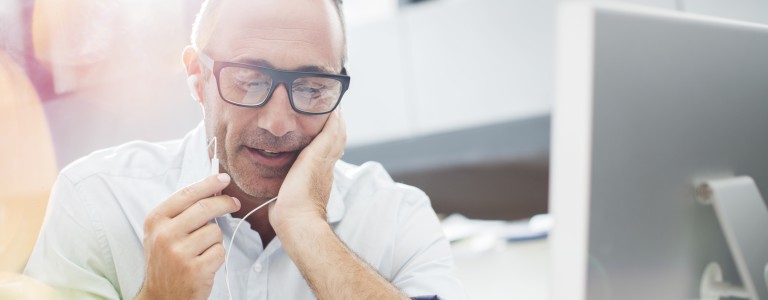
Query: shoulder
[[372, 181]]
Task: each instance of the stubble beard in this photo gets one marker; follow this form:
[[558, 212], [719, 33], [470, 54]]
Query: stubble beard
[[255, 179]]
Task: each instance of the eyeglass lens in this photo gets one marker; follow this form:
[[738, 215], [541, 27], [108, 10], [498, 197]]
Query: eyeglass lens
[[251, 87]]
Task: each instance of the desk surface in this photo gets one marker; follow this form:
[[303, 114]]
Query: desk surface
[[516, 270]]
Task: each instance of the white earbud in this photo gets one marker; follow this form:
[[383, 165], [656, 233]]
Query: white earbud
[[192, 81]]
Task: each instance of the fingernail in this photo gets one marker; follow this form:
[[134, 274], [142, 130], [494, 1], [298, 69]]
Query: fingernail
[[237, 202], [223, 177]]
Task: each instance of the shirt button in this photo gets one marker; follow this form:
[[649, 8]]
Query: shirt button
[[232, 223], [257, 267]]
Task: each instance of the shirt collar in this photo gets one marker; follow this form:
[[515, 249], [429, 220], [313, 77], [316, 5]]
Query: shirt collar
[[197, 163]]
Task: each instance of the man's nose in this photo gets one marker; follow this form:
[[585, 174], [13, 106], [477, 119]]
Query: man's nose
[[277, 116]]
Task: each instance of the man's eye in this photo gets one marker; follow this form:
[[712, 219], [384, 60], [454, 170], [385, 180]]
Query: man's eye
[[308, 90], [255, 85]]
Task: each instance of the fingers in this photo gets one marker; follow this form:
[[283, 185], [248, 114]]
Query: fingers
[[337, 135], [336, 129], [212, 258], [329, 143], [186, 197], [203, 211], [202, 239], [182, 251]]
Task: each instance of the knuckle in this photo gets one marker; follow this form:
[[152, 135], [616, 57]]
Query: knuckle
[[176, 251], [160, 239], [215, 232], [222, 204], [210, 260], [217, 253], [203, 205], [150, 222], [188, 191], [207, 230]]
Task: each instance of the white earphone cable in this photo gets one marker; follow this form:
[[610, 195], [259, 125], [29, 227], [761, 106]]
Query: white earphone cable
[[229, 248], [214, 171]]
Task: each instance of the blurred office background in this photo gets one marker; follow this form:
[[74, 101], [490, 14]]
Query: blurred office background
[[452, 96]]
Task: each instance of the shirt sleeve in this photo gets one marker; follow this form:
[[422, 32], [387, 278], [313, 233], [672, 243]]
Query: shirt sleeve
[[423, 255], [71, 254]]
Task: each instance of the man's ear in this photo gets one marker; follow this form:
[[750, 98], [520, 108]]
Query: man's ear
[[193, 83], [192, 66]]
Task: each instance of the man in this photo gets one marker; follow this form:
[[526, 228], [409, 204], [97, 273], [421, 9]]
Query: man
[[150, 221]]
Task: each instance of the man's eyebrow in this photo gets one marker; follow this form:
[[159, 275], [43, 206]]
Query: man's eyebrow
[[267, 64]]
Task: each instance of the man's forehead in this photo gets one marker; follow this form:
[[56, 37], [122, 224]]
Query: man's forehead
[[287, 33]]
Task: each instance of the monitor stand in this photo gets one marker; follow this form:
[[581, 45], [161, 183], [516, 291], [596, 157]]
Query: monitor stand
[[743, 217]]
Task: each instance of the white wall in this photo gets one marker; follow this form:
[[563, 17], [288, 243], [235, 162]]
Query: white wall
[[479, 62], [445, 65], [376, 106]]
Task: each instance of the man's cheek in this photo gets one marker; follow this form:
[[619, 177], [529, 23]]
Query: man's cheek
[[316, 124]]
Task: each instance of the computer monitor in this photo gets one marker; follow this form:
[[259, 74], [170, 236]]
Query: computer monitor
[[649, 104]]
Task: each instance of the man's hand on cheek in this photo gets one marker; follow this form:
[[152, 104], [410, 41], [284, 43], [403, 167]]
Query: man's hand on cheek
[[299, 219], [304, 194]]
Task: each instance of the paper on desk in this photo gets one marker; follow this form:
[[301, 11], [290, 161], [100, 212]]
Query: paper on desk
[[471, 237], [458, 227]]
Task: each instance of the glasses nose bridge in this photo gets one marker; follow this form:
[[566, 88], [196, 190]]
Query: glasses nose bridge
[[279, 78], [285, 84]]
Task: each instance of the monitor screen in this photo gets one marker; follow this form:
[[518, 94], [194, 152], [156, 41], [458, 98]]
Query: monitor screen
[[650, 103]]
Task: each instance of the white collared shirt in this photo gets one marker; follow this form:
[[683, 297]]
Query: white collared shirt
[[90, 245]]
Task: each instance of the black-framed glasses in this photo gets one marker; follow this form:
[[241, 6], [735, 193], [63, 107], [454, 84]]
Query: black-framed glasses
[[252, 86]]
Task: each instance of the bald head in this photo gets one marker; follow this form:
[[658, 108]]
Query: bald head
[[213, 12]]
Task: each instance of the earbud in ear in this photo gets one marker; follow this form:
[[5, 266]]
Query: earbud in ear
[[192, 81]]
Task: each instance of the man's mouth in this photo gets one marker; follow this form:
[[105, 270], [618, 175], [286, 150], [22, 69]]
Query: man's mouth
[[271, 157], [270, 153]]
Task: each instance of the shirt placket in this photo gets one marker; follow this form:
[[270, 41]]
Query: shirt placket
[[255, 284], [258, 279], [260, 271]]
